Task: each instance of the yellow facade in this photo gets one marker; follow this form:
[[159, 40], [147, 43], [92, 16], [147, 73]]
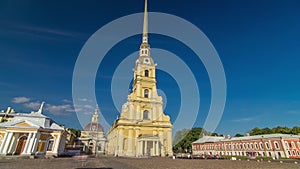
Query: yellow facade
[[142, 129], [30, 134]]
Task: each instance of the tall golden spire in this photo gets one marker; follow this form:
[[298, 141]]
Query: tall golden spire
[[145, 28]]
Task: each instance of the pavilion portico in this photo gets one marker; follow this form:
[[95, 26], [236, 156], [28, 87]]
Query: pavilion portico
[[148, 145]]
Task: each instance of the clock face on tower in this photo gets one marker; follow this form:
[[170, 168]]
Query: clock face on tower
[[146, 60]]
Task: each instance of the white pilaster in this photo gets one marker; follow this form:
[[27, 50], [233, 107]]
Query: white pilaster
[[27, 143], [7, 143], [36, 142], [169, 142], [3, 142], [145, 148], [157, 148], [130, 139], [31, 141], [153, 148], [57, 142], [13, 143], [121, 140]]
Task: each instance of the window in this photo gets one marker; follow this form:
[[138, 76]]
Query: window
[[256, 146], [267, 145], [261, 145], [146, 115], [293, 144], [146, 73], [146, 93], [50, 145], [276, 145], [287, 145]]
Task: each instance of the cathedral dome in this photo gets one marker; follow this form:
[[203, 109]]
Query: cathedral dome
[[93, 127]]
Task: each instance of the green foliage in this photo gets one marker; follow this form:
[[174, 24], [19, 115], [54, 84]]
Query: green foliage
[[214, 134], [185, 144], [180, 135], [75, 131], [282, 130], [238, 135]]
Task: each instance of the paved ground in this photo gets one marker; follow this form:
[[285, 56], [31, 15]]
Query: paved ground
[[143, 163]]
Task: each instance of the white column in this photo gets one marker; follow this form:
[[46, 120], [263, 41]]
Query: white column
[[139, 148], [31, 141], [57, 142], [161, 139], [157, 148], [36, 142], [3, 142], [13, 143], [7, 142], [137, 133], [121, 139], [27, 143], [153, 148], [169, 142], [130, 139], [145, 148]]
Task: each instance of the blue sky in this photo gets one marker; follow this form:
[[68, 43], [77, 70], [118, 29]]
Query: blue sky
[[257, 42]]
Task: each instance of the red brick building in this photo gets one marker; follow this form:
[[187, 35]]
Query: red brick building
[[269, 145]]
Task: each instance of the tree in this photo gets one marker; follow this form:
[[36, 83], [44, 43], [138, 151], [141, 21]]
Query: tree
[[75, 131], [238, 135], [180, 135], [185, 144], [296, 130], [256, 131], [214, 134]]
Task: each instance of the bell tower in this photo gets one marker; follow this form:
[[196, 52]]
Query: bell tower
[[142, 129]]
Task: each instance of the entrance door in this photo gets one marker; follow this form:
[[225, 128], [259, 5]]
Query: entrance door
[[21, 145]]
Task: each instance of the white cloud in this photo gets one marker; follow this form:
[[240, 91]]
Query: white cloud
[[20, 100], [33, 105], [63, 109], [83, 100], [67, 101]]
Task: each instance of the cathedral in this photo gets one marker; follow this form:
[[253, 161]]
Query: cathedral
[[92, 136], [142, 128]]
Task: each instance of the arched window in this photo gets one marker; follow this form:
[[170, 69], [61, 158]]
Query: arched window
[[50, 145], [146, 93], [261, 145], [276, 145], [146, 115], [267, 145], [146, 73], [293, 145]]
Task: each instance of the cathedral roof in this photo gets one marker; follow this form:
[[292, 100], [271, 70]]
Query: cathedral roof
[[89, 127]]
